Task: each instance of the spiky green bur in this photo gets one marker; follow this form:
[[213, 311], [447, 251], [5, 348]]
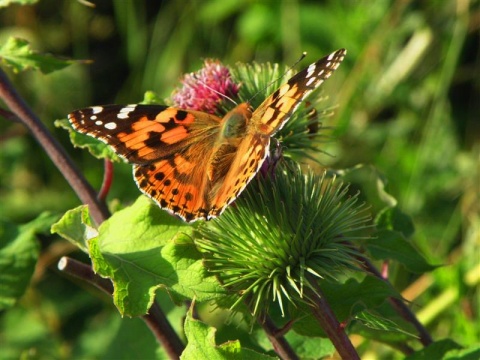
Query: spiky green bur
[[284, 226]]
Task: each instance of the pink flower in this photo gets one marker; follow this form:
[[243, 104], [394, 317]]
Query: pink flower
[[203, 90]]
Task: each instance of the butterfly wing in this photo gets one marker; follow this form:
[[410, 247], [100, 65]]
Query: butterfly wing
[[165, 145], [272, 114], [267, 119]]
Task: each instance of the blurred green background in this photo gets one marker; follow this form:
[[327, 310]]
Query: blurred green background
[[407, 101]]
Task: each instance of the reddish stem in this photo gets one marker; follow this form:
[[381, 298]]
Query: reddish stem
[[107, 180]]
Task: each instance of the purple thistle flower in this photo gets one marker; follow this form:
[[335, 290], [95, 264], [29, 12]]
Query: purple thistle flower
[[202, 90]]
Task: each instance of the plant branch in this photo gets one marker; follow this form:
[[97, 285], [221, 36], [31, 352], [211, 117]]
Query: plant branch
[[328, 322], [52, 147], [155, 319], [280, 344]]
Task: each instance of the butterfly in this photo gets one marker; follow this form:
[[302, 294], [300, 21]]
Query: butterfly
[[192, 163]]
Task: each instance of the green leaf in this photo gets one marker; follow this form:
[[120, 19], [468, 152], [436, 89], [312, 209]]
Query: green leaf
[[142, 248], [5, 3], [17, 54], [392, 218], [437, 350], [371, 184], [387, 244], [76, 226], [471, 353], [347, 300], [18, 255], [97, 148], [201, 344], [308, 347]]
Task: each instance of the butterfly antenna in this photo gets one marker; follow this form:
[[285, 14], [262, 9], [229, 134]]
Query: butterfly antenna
[[219, 93], [280, 77]]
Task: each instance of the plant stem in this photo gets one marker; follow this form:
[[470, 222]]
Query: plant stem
[[107, 180], [155, 319], [328, 322], [53, 148], [399, 305], [280, 344]]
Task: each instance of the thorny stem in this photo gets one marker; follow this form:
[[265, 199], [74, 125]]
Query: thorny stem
[[399, 305], [155, 319], [53, 148], [329, 323]]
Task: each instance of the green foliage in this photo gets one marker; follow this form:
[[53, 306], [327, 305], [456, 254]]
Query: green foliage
[[202, 344], [19, 252], [16, 53]]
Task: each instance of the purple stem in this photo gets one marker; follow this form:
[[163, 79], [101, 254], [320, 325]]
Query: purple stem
[[329, 323], [53, 148]]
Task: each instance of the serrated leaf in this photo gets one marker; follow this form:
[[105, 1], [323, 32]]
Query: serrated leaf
[[391, 245], [17, 54], [142, 248], [436, 350], [392, 218], [374, 321], [201, 344], [19, 251], [76, 227], [97, 148]]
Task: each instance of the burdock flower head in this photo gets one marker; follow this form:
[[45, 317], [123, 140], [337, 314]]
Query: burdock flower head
[[203, 90]]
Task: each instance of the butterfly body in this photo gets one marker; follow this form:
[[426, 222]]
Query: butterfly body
[[195, 164]]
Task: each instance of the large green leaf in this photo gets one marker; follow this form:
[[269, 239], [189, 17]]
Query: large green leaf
[[142, 248]]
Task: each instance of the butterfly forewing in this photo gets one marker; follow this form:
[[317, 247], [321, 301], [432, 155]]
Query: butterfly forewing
[[143, 133], [278, 107]]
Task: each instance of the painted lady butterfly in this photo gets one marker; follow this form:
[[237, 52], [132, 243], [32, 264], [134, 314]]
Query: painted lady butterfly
[[191, 163]]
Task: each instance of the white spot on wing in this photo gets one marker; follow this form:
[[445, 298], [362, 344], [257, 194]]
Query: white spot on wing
[[93, 117], [311, 70], [98, 122], [96, 109], [111, 126], [123, 113]]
